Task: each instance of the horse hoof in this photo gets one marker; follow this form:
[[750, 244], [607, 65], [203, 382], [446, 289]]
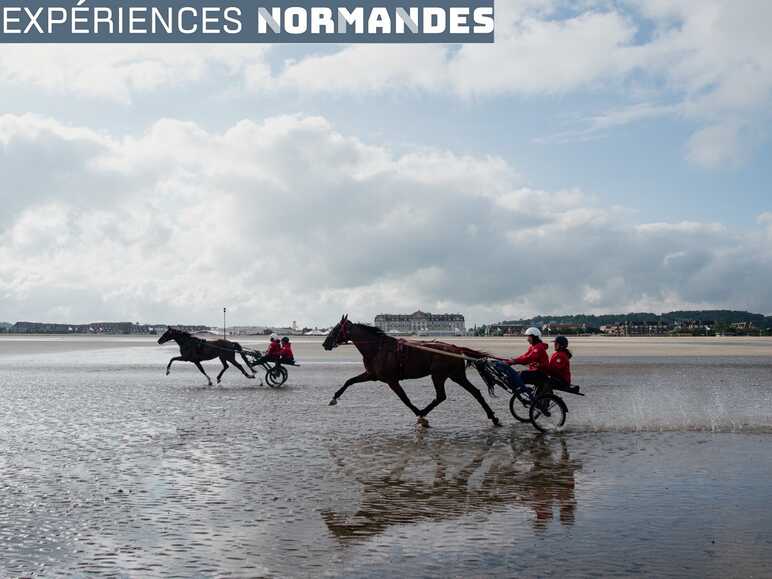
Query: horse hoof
[[422, 422], [496, 422], [252, 377], [333, 402]]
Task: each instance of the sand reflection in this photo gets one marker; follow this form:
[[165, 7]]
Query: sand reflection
[[432, 478]]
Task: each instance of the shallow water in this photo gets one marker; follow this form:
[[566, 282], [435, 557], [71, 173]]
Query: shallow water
[[110, 467]]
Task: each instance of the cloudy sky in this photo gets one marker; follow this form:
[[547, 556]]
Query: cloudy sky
[[600, 157]]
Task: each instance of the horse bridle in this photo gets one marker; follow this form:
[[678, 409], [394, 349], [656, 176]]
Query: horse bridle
[[343, 333]]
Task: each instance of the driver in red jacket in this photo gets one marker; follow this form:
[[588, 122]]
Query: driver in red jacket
[[535, 358], [273, 353]]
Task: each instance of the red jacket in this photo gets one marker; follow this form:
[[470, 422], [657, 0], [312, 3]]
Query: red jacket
[[286, 352], [274, 349], [535, 358], [560, 366]]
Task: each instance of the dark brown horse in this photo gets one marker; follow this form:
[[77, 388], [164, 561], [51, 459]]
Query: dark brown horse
[[389, 360], [197, 350]]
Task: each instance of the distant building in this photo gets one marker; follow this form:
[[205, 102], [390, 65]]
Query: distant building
[[317, 332], [185, 328], [651, 328], [613, 330], [648, 329], [506, 329], [284, 331], [422, 323], [246, 330], [555, 329], [694, 327], [122, 328]]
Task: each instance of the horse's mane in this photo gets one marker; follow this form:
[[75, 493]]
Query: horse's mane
[[372, 329]]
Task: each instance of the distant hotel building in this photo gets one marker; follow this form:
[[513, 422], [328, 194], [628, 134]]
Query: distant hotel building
[[422, 323]]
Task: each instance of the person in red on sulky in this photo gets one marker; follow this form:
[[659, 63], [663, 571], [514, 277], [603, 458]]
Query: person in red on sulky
[[285, 354], [535, 358], [273, 353], [559, 367]]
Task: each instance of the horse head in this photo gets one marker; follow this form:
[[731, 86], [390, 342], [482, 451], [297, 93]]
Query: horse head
[[340, 334], [167, 336]]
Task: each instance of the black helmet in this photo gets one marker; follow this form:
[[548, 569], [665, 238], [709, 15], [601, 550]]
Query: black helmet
[[285, 339], [562, 341]]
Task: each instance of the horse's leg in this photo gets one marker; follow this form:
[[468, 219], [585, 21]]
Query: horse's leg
[[397, 389], [363, 377], [240, 367], [439, 387], [224, 368], [201, 369], [169, 366], [464, 382]]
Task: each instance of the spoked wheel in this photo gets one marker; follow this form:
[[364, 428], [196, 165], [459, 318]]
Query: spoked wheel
[[548, 413], [518, 409], [276, 376]]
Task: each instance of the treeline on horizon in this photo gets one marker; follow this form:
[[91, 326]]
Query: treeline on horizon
[[718, 317]]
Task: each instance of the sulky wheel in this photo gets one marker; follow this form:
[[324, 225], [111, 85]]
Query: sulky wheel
[[548, 413], [276, 376], [518, 409]]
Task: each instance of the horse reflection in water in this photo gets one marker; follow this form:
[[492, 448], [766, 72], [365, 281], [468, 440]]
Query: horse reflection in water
[[439, 480]]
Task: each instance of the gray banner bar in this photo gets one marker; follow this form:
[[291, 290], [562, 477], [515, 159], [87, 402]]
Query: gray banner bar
[[243, 21]]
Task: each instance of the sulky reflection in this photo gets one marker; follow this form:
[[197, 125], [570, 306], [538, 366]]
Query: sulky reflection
[[433, 478]]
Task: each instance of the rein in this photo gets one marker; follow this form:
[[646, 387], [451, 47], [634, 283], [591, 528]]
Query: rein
[[403, 343]]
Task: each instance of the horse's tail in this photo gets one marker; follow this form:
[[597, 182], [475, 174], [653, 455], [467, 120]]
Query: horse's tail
[[237, 348], [479, 356]]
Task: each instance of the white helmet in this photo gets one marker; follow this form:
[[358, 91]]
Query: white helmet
[[274, 337], [533, 332]]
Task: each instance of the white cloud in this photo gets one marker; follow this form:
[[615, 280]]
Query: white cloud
[[289, 219], [706, 61], [690, 227], [538, 56], [599, 125], [366, 69], [717, 145], [532, 55], [118, 72]]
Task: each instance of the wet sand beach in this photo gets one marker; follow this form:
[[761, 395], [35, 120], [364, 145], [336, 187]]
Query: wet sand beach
[[108, 467]]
